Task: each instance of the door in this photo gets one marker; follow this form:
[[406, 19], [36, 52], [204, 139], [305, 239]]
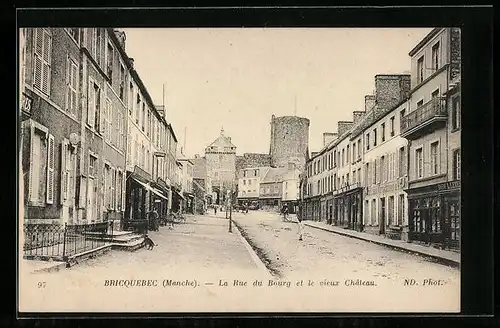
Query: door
[[382, 216], [90, 200]]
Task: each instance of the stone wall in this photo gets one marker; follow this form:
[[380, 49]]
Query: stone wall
[[289, 140]]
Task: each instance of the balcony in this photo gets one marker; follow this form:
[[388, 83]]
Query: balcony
[[428, 117]]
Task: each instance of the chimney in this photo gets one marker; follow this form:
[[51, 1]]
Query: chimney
[[328, 137], [344, 126], [390, 89], [131, 61], [120, 35], [357, 116], [369, 102]]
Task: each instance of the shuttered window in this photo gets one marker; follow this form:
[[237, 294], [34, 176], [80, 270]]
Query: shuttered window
[[42, 58], [71, 86], [36, 168], [113, 189], [50, 170], [65, 171]]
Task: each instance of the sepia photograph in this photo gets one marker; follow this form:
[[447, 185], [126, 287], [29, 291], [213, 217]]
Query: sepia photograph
[[217, 170]]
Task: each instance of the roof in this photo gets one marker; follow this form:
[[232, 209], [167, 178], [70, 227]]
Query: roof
[[426, 39], [222, 141], [262, 170], [275, 174], [291, 174]]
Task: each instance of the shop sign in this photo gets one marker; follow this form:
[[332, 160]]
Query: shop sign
[[450, 185], [390, 187]]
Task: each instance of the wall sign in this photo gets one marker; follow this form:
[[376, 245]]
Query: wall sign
[[26, 103]]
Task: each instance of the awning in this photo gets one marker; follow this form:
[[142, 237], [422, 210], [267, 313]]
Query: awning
[[178, 194], [148, 187]]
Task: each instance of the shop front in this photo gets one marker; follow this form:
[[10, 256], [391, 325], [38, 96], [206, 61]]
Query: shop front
[[188, 203], [177, 200], [434, 214], [348, 208]]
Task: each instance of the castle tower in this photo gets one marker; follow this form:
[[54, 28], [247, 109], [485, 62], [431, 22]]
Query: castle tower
[[289, 141]]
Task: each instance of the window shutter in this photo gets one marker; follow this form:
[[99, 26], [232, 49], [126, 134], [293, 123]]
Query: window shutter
[[397, 161], [46, 62], [50, 170], [102, 109], [32, 160], [123, 181], [38, 55], [63, 170], [90, 104], [68, 83]]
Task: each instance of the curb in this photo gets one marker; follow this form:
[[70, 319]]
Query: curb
[[439, 259], [252, 253]]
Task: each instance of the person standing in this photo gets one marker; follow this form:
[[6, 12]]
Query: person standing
[[301, 227], [215, 209]]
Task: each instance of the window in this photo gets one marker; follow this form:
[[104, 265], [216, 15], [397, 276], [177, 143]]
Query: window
[[122, 82], [401, 209], [455, 112], [93, 106], [42, 58], [138, 109], [420, 69], [148, 123], [435, 94], [367, 172], [383, 132], [143, 123], [98, 45], [256, 172], [402, 162], [368, 141], [402, 113], [390, 211], [244, 182], [373, 212], [92, 166], [435, 56], [374, 137], [354, 176], [335, 181], [119, 191], [420, 103], [419, 163], [347, 179], [348, 155], [434, 158], [359, 148], [383, 171], [71, 86], [131, 99], [343, 157], [392, 126], [113, 189], [108, 120], [109, 63], [107, 186], [39, 169], [359, 175], [375, 172], [354, 151], [456, 164]]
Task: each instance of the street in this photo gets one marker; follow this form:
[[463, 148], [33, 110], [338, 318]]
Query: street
[[323, 252], [200, 267]]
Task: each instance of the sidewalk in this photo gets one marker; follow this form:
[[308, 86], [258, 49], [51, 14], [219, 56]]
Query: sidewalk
[[443, 256]]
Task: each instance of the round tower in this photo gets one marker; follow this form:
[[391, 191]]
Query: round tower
[[289, 140]]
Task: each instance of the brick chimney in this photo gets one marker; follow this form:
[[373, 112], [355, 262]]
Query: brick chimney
[[328, 137], [369, 102], [390, 89], [343, 126], [357, 116], [120, 35]]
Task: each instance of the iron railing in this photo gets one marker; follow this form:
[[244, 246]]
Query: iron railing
[[58, 242], [433, 108]]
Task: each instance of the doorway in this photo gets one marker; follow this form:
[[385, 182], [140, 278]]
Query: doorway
[[382, 216]]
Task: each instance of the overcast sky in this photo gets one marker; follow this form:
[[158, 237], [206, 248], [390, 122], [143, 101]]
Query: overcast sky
[[238, 78]]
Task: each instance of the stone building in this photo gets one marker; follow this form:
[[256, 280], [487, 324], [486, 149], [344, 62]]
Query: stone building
[[432, 128], [289, 141], [220, 158]]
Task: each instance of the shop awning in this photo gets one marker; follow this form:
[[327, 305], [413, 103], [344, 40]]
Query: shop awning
[[178, 194], [148, 187]]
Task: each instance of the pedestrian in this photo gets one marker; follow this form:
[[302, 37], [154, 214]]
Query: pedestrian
[[301, 227], [215, 209]]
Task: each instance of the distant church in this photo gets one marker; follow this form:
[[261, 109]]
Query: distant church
[[220, 158]]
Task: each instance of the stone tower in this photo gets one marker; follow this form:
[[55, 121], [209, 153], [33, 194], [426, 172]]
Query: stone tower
[[289, 141], [220, 158]]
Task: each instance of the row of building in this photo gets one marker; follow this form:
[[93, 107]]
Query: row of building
[[94, 146], [394, 170]]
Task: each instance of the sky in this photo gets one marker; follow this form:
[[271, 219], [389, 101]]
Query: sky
[[236, 78]]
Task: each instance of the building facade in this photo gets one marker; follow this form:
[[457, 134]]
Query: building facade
[[249, 180], [431, 127], [271, 189], [221, 165]]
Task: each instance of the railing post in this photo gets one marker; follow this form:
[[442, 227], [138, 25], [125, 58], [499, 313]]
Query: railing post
[[64, 242]]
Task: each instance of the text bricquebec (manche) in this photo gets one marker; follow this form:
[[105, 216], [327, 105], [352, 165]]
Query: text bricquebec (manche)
[[127, 283]]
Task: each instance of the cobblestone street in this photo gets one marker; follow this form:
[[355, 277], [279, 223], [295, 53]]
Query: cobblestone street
[[325, 253]]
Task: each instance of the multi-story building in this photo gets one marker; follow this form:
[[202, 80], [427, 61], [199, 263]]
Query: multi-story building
[[432, 126], [271, 189], [291, 188], [221, 165], [249, 184], [187, 183]]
